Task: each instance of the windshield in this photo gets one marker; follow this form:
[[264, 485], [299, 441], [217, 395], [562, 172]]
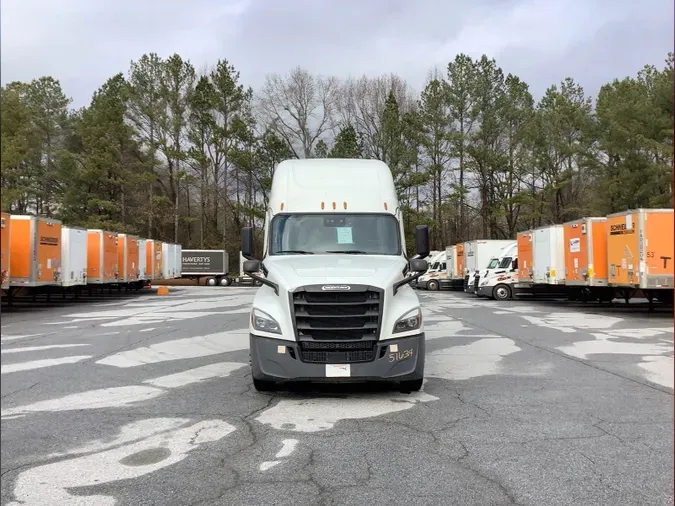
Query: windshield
[[506, 262], [371, 234], [493, 263]]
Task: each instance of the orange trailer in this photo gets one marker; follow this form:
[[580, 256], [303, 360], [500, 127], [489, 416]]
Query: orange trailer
[[4, 254], [102, 266], [586, 252], [460, 259], [158, 259], [127, 257], [525, 256], [640, 249], [153, 259], [34, 251]]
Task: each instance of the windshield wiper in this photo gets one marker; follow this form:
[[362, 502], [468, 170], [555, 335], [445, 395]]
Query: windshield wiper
[[349, 252], [297, 251]]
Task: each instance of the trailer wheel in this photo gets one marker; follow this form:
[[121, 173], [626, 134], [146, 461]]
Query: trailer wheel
[[225, 282], [211, 282], [501, 292], [432, 285]]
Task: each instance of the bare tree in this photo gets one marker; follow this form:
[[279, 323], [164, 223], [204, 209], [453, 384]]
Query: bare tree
[[361, 104], [300, 108]]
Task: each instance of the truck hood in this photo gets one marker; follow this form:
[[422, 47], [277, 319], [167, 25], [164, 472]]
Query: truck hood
[[299, 270]]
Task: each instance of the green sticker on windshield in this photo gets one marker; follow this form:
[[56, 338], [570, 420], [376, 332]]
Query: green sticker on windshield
[[344, 235]]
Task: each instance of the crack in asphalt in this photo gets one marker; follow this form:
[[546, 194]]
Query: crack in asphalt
[[26, 389], [582, 361]]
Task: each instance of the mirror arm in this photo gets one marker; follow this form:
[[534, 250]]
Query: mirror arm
[[265, 281], [406, 281]]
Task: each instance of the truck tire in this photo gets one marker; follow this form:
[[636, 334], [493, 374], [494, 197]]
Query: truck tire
[[432, 285], [225, 282], [211, 282], [501, 292], [263, 385], [411, 385]]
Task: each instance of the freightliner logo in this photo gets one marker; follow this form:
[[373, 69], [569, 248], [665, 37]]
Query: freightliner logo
[[335, 287]]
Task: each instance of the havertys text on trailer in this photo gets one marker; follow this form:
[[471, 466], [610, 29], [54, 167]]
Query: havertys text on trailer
[[196, 259]]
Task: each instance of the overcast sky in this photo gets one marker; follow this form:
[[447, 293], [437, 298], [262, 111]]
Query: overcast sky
[[83, 42]]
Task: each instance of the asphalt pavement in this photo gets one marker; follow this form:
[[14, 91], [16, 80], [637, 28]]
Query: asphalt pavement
[[139, 399]]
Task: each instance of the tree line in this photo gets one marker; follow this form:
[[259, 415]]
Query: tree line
[[170, 153]]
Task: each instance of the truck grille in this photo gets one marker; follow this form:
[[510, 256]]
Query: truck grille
[[337, 326], [476, 282], [324, 352], [346, 315]]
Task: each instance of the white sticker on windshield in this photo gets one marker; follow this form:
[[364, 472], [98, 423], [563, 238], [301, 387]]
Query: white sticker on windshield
[[344, 235]]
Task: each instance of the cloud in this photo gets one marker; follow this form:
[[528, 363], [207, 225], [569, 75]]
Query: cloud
[[82, 42]]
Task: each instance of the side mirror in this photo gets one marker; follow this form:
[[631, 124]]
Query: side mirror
[[419, 265], [422, 240], [251, 266], [247, 242]]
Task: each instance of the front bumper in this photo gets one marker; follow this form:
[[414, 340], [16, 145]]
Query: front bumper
[[280, 361], [484, 291], [422, 284]]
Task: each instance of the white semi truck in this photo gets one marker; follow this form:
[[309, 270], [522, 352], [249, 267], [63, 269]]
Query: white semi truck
[[477, 256], [500, 279], [509, 248], [335, 302], [430, 261], [430, 280]]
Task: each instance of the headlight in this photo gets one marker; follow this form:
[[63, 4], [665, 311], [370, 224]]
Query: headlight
[[410, 321], [264, 322], [485, 282]]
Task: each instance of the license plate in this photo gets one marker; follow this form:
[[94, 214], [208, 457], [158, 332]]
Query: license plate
[[338, 371]]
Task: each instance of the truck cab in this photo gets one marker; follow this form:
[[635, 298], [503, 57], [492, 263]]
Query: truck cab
[[435, 276], [335, 303], [429, 258], [499, 280]]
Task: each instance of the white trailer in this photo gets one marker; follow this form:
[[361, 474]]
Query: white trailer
[[142, 260], [548, 255], [73, 256], [178, 260], [167, 260]]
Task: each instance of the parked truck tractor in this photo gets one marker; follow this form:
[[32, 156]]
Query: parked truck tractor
[[335, 303]]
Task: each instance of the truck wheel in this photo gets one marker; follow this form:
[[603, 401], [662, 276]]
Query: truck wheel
[[211, 282], [263, 386], [501, 292], [225, 282], [412, 385], [432, 286]]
